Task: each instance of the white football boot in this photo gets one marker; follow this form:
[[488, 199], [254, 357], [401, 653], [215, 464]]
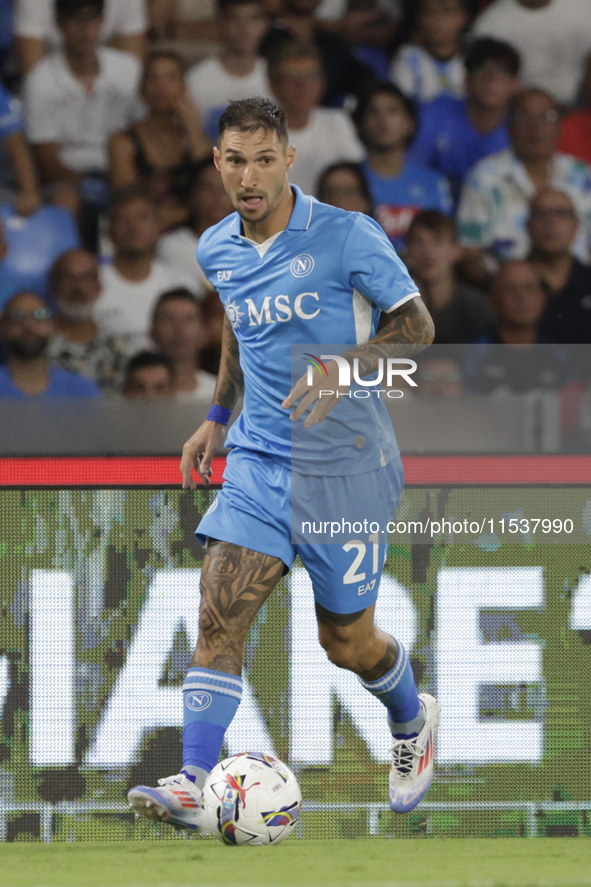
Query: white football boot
[[411, 773], [177, 801]]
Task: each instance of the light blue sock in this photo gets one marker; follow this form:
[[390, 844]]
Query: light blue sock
[[398, 692], [210, 700]]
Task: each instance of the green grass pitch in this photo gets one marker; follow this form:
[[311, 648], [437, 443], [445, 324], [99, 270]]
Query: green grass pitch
[[472, 862]]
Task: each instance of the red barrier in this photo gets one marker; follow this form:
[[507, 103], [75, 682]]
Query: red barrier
[[156, 471]]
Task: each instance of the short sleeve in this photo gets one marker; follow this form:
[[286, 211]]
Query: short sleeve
[[372, 266], [474, 213], [10, 121], [38, 107], [404, 71], [203, 256], [345, 137], [32, 18]]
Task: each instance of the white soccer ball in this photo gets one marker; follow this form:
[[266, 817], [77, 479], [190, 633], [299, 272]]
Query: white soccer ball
[[251, 798]]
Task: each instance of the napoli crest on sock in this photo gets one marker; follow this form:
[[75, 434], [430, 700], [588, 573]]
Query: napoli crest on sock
[[199, 701]]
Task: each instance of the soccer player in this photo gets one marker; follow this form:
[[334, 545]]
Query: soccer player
[[291, 270]]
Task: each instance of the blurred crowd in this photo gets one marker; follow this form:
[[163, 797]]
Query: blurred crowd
[[463, 128]]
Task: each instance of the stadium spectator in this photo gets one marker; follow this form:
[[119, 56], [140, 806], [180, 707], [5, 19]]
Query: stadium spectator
[[454, 134], [74, 99], [32, 245], [432, 65], [439, 373], [553, 37], [519, 302], [25, 329], [179, 334], [460, 313], [344, 185], [321, 136], [77, 344], [400, 188], [135, 279], [20, 167], [160, 151], [494, 205], [37, 29], [237, 71], [575, 128], [208, 205], [148, 377], [518, 363], [552, 229], [345, 75]]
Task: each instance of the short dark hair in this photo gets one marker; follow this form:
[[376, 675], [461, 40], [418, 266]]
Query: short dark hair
[[248, 115], [180, 293], [155, 55], [127, 194], [487, 49], [71, 8], [222, 5], [346, 166], [384, 88], [292, 49], [144, 359], [436, 222]]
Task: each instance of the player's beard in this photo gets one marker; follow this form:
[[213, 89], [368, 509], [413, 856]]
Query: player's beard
[[271, 206]]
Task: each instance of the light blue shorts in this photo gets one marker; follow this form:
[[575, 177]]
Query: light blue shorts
[[254, 510]]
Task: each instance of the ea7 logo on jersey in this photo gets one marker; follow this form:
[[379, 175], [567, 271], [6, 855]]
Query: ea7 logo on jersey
[[302, 265], [224, 276]]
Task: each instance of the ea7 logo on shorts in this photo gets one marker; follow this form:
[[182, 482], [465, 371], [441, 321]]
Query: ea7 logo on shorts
[[199, 700], [224, 276], [369, 586], [302, 265]]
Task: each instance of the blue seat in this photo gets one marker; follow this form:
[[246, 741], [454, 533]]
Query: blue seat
[[34, 243]]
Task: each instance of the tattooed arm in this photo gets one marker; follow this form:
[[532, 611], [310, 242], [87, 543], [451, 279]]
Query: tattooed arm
[[230, 379], [401, 333], [200, 449]]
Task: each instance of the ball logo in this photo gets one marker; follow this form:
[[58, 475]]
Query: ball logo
[[302, 265], [199, 701]]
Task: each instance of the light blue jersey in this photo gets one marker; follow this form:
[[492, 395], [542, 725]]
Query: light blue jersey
[[324, 279]]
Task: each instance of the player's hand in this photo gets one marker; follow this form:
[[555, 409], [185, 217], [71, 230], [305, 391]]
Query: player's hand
[[307, 396], [198, 453]]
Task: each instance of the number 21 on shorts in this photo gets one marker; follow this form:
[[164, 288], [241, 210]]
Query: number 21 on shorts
[[356, 576]]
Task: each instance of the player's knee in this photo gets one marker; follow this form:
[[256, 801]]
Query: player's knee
[[343, 652]]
